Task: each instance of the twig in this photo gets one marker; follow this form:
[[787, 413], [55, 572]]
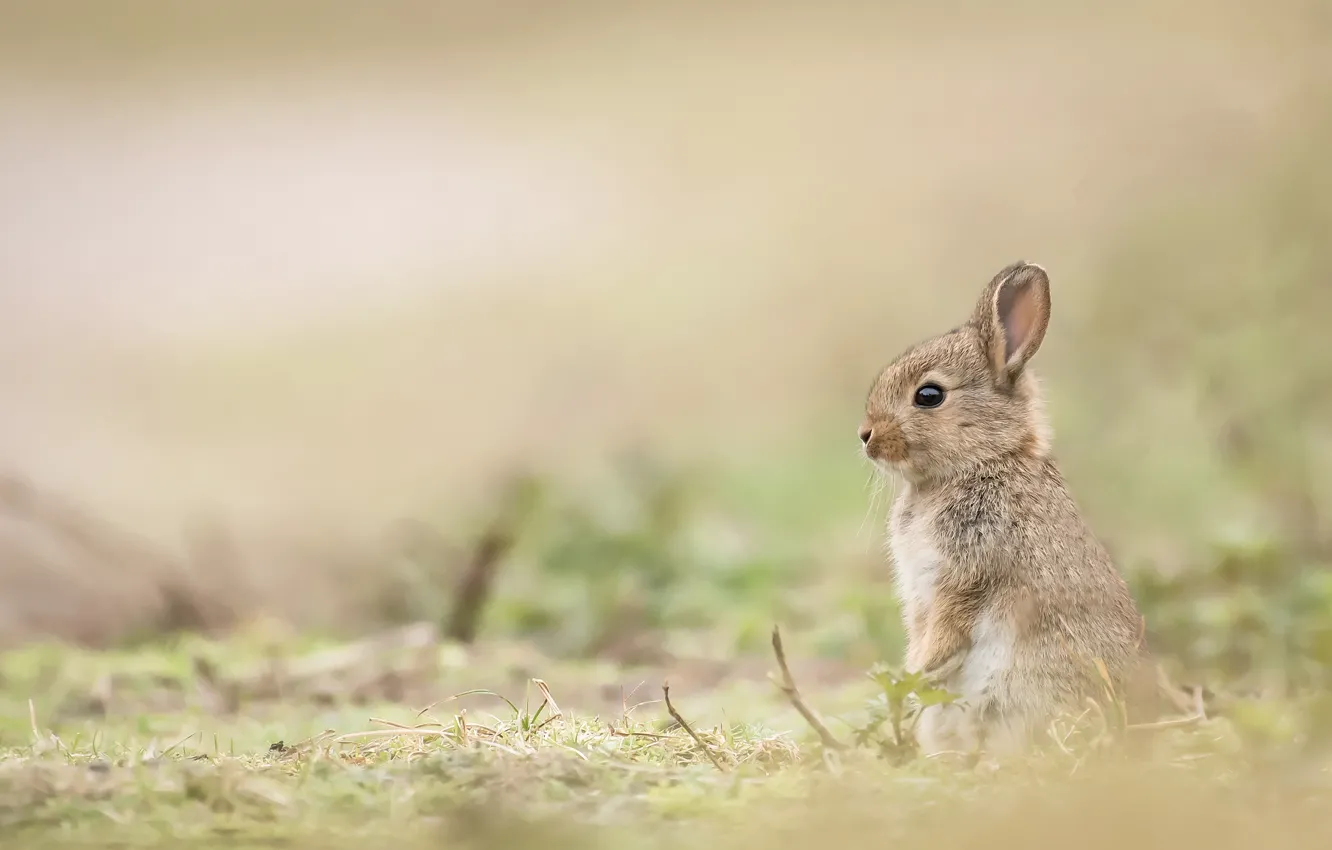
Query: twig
[[474, 588], [676, 716], [788, 687], [478, 578]]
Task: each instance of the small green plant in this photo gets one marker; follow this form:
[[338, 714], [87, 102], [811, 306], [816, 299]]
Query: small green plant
[[898, 705]]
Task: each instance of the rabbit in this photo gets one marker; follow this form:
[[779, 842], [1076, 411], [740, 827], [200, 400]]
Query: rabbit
[[1008, 599]]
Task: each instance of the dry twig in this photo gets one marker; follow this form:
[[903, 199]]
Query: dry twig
[[676, 716], [788, 687], [474, 588], [478, 578]]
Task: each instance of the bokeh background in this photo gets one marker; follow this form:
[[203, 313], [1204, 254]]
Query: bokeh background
[[303, 306]]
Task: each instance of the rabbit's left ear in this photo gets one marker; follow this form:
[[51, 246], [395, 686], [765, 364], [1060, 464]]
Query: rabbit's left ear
[[1012, 315]]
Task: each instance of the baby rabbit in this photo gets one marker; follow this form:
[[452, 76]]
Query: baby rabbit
[[1008, 599]]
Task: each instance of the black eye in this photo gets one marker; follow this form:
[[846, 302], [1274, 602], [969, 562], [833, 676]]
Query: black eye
[[929, 395]]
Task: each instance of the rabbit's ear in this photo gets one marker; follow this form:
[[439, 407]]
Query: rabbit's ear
[[1012, 316]]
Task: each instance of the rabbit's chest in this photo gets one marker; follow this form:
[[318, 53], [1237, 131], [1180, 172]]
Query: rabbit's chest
[[917, 563]]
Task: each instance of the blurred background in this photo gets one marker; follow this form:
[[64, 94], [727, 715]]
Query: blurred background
[[555, 324]]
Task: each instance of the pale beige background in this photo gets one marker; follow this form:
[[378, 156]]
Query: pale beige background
[[322, 274]]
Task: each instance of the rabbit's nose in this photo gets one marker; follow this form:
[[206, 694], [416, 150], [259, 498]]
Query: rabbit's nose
[[865, 433]]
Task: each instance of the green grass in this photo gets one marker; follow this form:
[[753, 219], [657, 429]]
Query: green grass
[[147, 745], [145, 761]]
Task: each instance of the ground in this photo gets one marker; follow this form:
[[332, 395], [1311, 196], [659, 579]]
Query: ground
[[259, 741]]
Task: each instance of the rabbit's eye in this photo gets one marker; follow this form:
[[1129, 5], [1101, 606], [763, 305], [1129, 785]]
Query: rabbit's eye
[[929, 395]]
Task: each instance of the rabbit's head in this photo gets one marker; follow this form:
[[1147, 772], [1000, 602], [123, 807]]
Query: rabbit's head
[[965, 398]]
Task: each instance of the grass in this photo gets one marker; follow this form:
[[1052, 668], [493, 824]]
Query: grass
[[139, 749], [141, 744]]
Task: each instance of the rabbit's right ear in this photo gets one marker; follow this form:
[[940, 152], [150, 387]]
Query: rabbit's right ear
[[1012, 315]]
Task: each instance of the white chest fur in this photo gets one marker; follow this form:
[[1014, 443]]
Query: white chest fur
[[990, 658], [916, 560], [984, 677]]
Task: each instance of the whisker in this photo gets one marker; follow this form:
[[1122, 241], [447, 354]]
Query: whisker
[[875, 485]]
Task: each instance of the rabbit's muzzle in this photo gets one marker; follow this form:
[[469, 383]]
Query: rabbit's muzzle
[[883, 441]]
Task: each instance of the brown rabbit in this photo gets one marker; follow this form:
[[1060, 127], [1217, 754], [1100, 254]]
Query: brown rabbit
[[1007, 597]]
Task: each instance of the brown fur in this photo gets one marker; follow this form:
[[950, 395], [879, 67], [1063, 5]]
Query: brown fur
[[1007, 596]]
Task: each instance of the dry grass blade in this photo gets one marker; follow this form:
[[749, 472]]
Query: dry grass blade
[[676, 716], [1175, 723], [788, 687], [32, 720], [555, 712], [381, 721], [1196, 706], [380, 734]]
